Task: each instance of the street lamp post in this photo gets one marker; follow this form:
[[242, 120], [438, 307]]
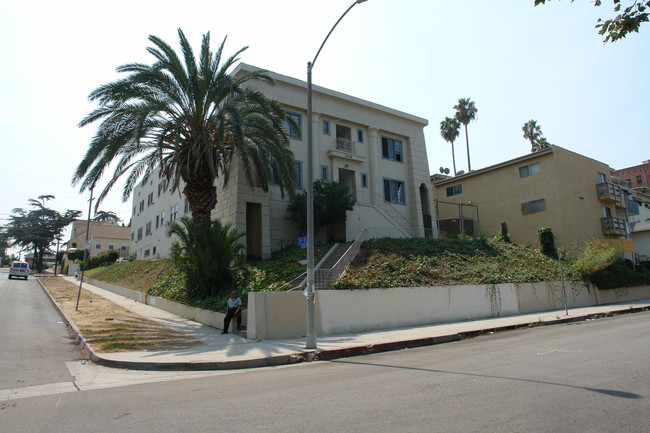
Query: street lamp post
[[311, 336]]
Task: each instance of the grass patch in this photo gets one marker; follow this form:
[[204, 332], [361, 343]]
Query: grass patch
[[137, 275], [111, 328]]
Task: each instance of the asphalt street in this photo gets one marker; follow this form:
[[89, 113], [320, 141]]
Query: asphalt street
[[587, 376]]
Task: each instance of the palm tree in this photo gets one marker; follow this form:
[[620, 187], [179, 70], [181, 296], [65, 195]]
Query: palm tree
[[532, 132], [465, 113], [102, 216], [450, 130], [189, 117], [206, 254]]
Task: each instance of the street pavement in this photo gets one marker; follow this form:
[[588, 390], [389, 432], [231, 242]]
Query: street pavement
[[232, 351]]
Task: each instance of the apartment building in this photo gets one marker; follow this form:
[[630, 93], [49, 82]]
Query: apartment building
[[637, 176], [378, 152], [104, 236], [578, 197]]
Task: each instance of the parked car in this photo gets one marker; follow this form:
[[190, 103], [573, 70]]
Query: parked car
[[19, 269]]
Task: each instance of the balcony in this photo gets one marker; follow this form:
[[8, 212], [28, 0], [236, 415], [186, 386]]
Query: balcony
[[345, 149], [614, 226], [611, 193]]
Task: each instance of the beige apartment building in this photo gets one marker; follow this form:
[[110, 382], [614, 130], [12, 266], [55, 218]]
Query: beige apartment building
[[104, 236], [378, 152], [574, 195]]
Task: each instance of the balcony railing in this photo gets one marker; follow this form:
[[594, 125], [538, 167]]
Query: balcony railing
[[609, 192], [345, 145], [614, 226]]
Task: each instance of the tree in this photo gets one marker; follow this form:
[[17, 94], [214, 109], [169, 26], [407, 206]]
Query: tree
[[623, 23], [533, 133], [331, 201], [190, 118], [450, 130], [102, 216], [465, 113], [206, 254], [38, 228]]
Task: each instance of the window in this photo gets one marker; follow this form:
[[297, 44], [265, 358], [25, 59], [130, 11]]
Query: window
[[629, 183], [326, 127], [147, 229], [153, 250], [639, 181], [146, 252], [324, 174], [293, 132], [364, 180], [602, 177], [157, 221], [533, 206], [454, 190], [173, 212], [162, 218], [98, 245], [529, 170], [394, 191], [186, 206], [140, 234], [141, 205], [133, 210], [111, 246], [132, 234], [150, 199], [391, 148], [298, 166], [123, 246], [360, 135], [607, 212]]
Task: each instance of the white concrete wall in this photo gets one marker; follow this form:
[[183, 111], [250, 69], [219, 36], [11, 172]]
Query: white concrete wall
[[275, 315]]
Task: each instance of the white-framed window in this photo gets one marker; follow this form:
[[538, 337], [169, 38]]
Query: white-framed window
[[360, 135], [454, 190], [392, 148], [533, 206], [162, 218], [153, 250], [394, 191], [157, 221], [326, 127], [602, 177], [364, 180], [294, 133], [529, 170], [140, 234], [123, 246], [141, 205], [111, 246], [173, 212], [298, 168], [147, 252], [98, 245], [324, 173], [147, 229], [150, 199]]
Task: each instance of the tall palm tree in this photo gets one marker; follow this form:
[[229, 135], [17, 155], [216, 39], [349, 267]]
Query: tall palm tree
[[450, 130], [533, 133], [189, 117], [102, 216], [465, 113]]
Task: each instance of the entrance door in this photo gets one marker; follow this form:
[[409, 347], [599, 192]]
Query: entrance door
[[253, 230]]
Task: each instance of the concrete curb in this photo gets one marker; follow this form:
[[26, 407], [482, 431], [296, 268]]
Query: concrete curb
[[307, 356]]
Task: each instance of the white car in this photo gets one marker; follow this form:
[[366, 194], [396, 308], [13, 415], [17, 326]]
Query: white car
[[19, 269]]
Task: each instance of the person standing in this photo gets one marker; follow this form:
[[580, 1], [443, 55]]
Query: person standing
[[234, 310]]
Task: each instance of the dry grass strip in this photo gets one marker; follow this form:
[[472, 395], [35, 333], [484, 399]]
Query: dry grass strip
[[109, 327]]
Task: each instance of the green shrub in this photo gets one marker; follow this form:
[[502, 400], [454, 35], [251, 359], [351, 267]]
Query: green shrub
[[546, 241], [598, 254]]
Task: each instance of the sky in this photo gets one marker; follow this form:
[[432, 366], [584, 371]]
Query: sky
[[515, 61]]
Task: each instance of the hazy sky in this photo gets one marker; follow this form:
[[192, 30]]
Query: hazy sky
[[516, 61]]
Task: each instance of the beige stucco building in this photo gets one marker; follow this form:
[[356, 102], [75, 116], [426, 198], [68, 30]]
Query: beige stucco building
[[378, 152], [104, 236], [574, 195]]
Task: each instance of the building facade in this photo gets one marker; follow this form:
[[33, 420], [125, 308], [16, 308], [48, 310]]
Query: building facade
[[104, 236], [378, 152], [636, 177], [578, 197]]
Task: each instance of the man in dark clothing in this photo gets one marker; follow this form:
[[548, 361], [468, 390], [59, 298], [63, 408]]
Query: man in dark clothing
[[234, 310]]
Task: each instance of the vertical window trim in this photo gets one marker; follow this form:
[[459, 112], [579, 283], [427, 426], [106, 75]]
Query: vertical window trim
[[324, 173], [326, 127], [298, 167]]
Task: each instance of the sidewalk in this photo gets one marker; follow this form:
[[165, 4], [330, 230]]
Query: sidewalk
[[231, 351]]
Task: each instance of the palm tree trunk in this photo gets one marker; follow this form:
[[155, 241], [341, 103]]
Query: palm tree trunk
[[469, 165], [453, 157], [201, 194]]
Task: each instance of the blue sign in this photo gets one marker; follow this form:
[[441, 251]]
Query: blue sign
[[302, 242]]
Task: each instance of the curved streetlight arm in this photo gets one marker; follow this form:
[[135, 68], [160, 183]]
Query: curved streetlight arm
[[332, 29]]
